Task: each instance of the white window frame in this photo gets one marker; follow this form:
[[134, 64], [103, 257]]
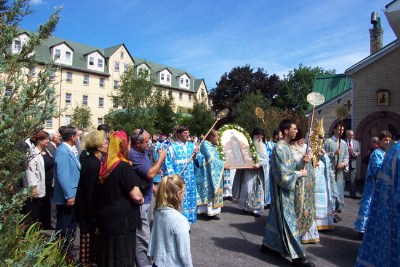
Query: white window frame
[[101, 102], [17, 47], [102, 84], [126, 66], [69, 79], [68, 98], [187, 82], [180, 96], [57, 53], [116, 66], [49, 124], [67, 120], [181, 80], [91, 61], [100, 63], [85, 100], [168, 78], [68, 55], [121, 54], [86, 79], [116, 84], [162, 76], [190, 97]]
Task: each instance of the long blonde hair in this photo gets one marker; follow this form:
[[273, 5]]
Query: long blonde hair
[[167, 194]]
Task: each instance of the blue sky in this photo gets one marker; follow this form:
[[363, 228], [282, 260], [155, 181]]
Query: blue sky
[[210, 37]]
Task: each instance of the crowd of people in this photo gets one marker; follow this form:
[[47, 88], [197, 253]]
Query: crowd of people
[[105, 182]]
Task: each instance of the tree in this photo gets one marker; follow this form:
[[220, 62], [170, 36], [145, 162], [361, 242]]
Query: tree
[[201, 119], [296, 86], [25, 104], [164, 116], [244, 113], [81, 118], [136, 97], [241, 81]]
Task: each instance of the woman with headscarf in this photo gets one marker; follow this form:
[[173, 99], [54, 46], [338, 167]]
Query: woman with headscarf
[[119, 201], [96, 145]]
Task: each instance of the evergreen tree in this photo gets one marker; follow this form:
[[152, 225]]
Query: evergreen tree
[[26, 102]]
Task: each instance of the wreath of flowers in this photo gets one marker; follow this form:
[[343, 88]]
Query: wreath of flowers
[[236, 127]]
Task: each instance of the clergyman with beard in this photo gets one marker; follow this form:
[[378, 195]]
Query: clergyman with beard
[[252, 183]]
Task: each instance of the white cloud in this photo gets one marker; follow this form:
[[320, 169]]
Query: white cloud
[[37, 2]]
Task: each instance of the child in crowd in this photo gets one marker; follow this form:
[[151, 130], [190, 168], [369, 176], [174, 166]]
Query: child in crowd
[[170, 241]]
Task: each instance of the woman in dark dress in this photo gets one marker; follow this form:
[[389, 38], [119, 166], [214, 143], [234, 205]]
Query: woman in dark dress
[[96, 146], [119, 201], [49, 176]]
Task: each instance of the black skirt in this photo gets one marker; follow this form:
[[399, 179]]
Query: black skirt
[[117, 250]]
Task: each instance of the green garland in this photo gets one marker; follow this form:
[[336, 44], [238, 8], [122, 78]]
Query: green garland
[[236, 127]]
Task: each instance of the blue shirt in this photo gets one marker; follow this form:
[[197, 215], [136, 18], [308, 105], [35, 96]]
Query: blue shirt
[[142, 164]]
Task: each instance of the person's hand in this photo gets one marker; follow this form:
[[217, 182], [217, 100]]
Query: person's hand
[[195, 151], [256, 166], [227, 167], [337, 152], [341, 165], [162, 153], [304, 173], [155, 189], [70, 202]]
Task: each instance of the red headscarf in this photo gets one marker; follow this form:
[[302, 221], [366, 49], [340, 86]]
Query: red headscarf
[[118, 141]]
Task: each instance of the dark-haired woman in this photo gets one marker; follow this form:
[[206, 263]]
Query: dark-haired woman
[[38, 206]]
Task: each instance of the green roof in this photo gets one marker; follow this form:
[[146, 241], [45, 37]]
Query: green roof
[[80, 51], [331, 86], [156, 68]]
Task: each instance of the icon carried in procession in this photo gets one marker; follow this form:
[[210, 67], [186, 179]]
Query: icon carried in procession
[[236, 147]]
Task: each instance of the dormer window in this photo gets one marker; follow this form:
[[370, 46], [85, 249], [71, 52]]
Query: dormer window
[[181, 80], [17, 45], [57, 53], [68, 55], [187, 82], [162, 76], [100, 63], [168, 77], [91, 61]]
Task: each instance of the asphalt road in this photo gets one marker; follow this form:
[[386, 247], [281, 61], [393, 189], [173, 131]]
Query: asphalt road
[[235, 240]]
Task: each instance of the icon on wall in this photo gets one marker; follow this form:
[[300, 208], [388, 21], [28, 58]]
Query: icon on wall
[[382, 97]]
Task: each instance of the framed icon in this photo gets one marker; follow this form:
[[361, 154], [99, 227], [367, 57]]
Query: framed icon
[[382, 97], [236, 148]]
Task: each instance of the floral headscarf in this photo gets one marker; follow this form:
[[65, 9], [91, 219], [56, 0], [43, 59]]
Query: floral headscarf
[[114, 155]]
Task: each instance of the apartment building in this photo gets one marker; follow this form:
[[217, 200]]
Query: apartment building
[[89, 76]]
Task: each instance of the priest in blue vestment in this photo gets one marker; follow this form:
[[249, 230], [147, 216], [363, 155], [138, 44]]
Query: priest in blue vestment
[[381, 241], [178, 154], [210, 178], [281, 236]]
